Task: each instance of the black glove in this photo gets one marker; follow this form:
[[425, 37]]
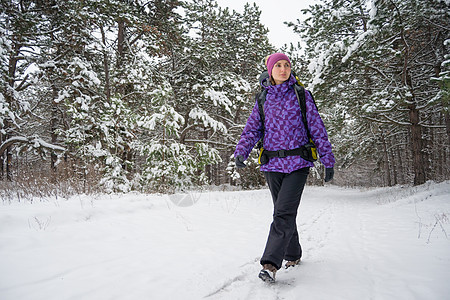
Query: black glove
[[240, 162], [329, 173]]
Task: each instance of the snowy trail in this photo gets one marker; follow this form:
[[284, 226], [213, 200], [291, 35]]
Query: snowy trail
[[386, 243]]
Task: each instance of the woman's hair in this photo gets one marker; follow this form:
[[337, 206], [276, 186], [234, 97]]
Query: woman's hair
[[265, 59]]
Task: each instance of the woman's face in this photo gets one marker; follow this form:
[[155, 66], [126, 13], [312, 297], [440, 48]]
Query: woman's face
[[281, 71]]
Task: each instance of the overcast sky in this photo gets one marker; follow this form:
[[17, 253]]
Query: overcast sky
[[273, 14]]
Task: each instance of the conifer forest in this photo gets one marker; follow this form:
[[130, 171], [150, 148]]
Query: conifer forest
[[152, 96]]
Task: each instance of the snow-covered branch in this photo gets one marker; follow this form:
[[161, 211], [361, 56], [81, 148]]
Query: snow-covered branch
[[432, 126], [209, 142], [387, 121], [34, 141]]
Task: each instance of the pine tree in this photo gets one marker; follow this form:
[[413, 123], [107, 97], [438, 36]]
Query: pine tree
[[25, 30], [127, 90], [376, 60], [211, 83]]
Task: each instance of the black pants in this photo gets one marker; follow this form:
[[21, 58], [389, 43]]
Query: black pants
[[283, 242]]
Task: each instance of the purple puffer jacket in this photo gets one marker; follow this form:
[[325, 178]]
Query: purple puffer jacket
[[284, 129]]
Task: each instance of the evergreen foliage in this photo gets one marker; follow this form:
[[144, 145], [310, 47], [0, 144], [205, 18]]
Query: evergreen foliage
[[153, 95], [372, 65], [147, 92]]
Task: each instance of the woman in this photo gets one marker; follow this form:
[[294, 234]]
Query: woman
[[286, 175]]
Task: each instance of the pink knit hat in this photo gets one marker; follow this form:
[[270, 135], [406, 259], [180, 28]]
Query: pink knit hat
[[272, 60]]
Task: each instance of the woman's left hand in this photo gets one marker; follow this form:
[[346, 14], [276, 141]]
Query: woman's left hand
[[329, 174]]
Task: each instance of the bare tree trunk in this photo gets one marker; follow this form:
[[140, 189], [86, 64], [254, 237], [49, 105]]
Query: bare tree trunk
[[120, 41], [207, 167], [53, 128], [2, 157], [430, 154], [401, 168], [6, 158], [9, 163], [106, 66], [447, 125], [444, 150], [394, 163], [386, 159], [12, 66], [416, 146]]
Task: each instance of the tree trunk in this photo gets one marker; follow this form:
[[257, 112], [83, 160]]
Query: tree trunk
[[447, 125], [416, 146], [2, 157], [7, 153], [9, 97], [106, 66], [400, 168], [207, 167], [9, 164], [394, 163], [386, 159], [53, 129], [120, 41]]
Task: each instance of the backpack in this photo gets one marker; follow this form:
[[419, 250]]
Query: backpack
[[308, 151]]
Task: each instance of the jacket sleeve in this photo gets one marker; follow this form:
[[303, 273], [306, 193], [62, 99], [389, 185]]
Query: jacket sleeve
[[318, 132], [251, 134]]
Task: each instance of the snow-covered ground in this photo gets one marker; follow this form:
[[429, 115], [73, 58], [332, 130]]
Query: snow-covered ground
[[384, 243]]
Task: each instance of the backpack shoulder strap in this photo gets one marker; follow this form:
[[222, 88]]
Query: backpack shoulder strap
[[261, 98], [300, 92]]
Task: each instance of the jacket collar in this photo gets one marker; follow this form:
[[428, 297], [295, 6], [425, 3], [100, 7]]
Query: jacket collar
[[279, 87]]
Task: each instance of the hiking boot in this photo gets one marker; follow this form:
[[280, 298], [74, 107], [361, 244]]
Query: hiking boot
[[267, 274], [292, 263]]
